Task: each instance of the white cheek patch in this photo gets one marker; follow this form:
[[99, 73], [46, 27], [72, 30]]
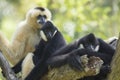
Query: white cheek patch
[[43, 36], [38, 21], [97, 48], [54, 32], [92, 47], [81, 46]]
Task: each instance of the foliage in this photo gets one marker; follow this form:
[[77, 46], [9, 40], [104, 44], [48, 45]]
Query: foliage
[[74, 18]]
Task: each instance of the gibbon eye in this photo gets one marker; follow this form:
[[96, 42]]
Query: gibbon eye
[[39, 16], [44, 16]]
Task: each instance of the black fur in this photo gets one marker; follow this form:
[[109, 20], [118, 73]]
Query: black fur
[[69, 53], [43, 52], [40, 8]]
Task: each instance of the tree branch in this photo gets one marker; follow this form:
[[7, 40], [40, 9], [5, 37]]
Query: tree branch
[[115, 65], [91, 67], [9, 74]]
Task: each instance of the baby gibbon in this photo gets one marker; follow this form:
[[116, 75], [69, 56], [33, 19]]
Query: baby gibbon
[[26, 37]]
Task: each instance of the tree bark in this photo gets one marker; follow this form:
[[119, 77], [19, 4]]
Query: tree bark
[[91, 67], [8, 73], [115, 65]]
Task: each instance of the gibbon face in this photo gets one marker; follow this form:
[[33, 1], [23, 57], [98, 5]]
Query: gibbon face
[[89, 42], [38, 16], [48, 31]]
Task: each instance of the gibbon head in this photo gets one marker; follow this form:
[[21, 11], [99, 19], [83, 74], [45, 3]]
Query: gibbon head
[[38, 16], [89, 42], [48, 31]]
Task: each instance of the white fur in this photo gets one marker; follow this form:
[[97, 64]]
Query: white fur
[[25, 38], [81, 46], [111, 39], [97, 48], [27, 65], [54, 32], [43, 36]]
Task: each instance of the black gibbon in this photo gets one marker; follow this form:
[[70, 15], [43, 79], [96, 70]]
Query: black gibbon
[[52, 40], [89, 45], [103, 73], [26, 36], [112, 41]]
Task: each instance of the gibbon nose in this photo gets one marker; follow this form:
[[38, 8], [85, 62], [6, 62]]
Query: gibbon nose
[[90, 48], [41, 20]]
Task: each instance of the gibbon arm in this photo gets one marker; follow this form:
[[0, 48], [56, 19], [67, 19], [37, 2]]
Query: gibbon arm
[[12, 51]]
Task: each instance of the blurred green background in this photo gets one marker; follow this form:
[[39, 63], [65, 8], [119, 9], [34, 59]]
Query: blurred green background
[[74, 18]]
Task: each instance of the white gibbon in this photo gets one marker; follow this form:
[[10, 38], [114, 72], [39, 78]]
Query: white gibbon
[[26, 37]]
